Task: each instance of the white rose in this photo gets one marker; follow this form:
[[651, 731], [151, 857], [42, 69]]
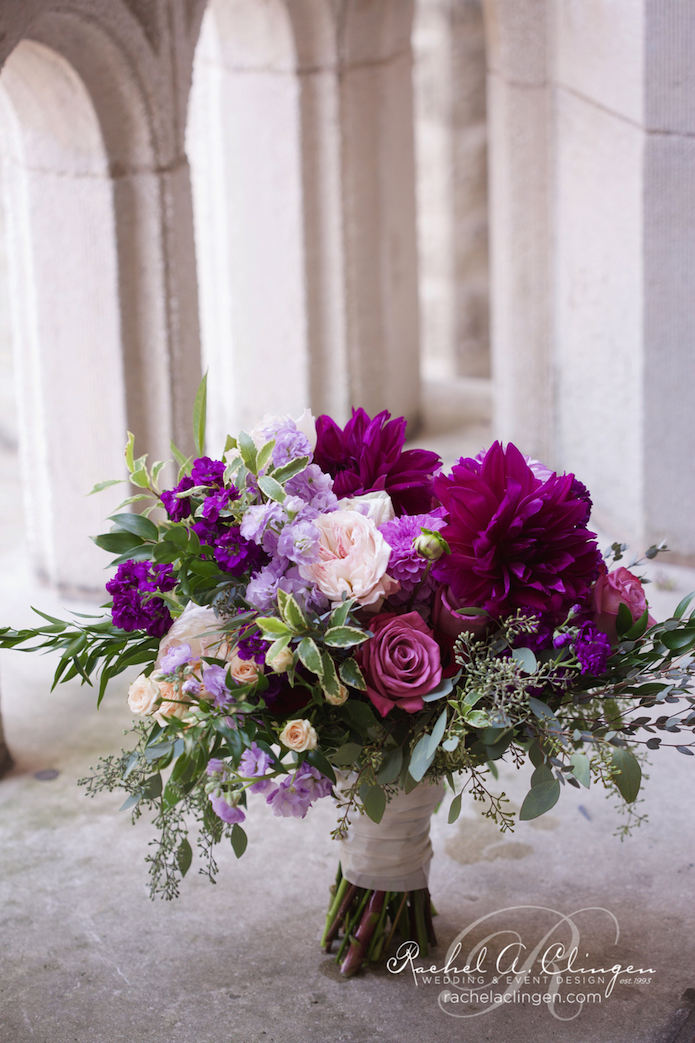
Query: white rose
[[339, 699], [143, 695], [376, 505], [353, 558], [194, 621], [299, 735]]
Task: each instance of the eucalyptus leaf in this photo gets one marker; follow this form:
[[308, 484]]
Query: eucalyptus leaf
[[581, 768], [375, 803], [390, 766], [239, 840], [455, 809], [628, 774], [526, 659], [184, 856], [539, 800]]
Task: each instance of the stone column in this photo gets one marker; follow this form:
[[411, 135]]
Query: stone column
[[519, 129]]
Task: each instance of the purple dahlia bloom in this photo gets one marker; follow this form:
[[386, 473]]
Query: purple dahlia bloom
[[516, 541], [367, 456]]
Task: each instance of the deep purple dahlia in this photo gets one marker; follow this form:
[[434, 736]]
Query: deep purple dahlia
[[367, 456], [516, 541]]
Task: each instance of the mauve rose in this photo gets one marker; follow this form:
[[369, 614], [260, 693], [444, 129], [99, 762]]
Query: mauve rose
[[613, 589], [401, 663]]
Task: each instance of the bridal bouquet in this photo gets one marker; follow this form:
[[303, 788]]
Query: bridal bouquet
[[317, 610]]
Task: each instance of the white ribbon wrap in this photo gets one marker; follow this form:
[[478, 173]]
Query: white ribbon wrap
[[394, 854]]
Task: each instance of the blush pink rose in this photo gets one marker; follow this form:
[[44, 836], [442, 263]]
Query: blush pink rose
[[353, 558], [401, 663], [613, 589]]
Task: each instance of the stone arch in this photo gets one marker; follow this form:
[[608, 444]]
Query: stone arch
[[66, 328]]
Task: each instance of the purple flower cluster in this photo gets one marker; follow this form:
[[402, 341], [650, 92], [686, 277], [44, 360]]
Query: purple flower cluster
[[405, 564], [252, 646], [255, 762], [237, 555], [592, 648], [295, 794], [177, 507], [133, 607]]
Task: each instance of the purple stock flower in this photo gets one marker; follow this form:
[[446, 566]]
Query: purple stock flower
[[237, 555], [252, 646], [177, 507], [254, 762], [216, 766], [367, 456], [290, 444], [219, 501], [299, 542], [175, 657], [295, 794], [131, 609], [215, 681], [207, 472], [592, 648], [261, 524], [314, 487], [405, 564], [516, 541], [225, 811]]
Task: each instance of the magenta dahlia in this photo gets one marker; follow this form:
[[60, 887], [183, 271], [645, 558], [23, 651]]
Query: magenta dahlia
[[367, 456], [517, 541]]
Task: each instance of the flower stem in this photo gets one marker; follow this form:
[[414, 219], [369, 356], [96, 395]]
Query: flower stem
[[344, 896], [363, 935]]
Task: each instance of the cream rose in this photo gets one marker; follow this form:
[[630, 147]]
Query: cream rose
[[244, 671], [339, 699], [194, 621], [376, 505], [174, 704], [143, 695], [353, 558], [281, 662], [299, 735]]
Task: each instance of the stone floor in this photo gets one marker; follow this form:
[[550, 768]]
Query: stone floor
[[87, 958]]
